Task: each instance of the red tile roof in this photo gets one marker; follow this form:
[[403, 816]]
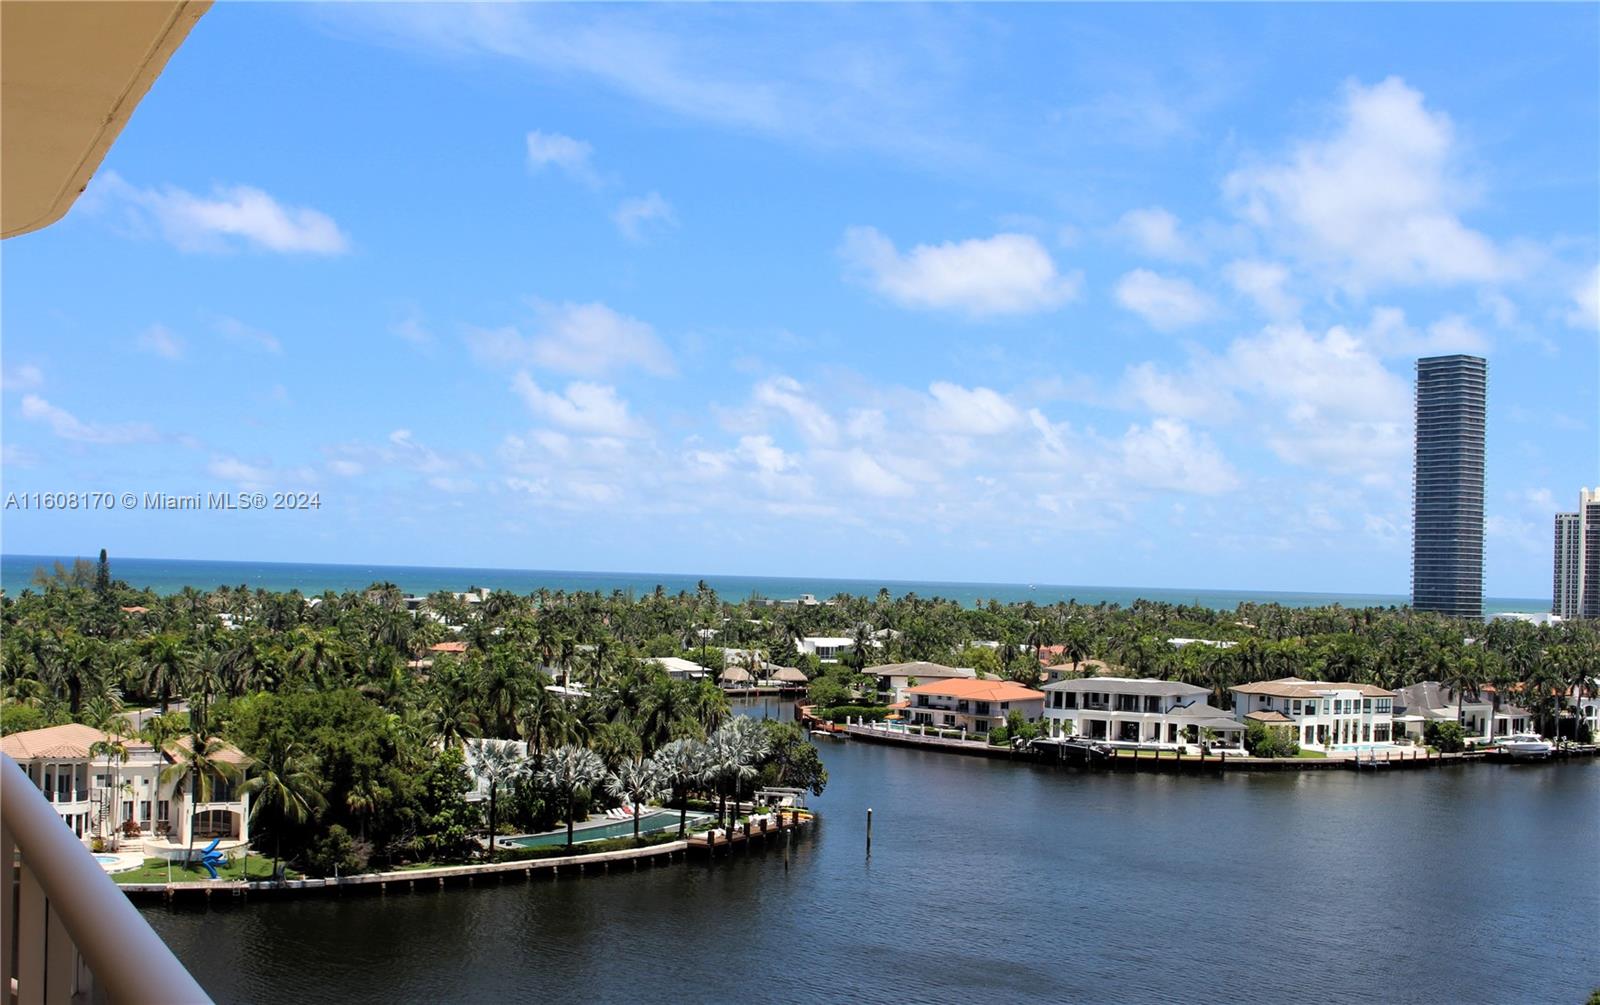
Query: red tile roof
[[978, 690]]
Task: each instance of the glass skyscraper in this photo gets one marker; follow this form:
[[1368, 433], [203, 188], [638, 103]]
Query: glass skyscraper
[[1447, 500]]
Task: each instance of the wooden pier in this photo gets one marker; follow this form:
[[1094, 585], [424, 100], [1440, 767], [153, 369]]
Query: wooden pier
[[746, 835]]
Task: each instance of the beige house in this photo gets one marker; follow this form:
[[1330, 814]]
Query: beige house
[[895, 679], [125, 801], [973, 706]]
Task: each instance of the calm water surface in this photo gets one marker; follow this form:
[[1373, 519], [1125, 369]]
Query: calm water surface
[[165, 575], [992, 881]]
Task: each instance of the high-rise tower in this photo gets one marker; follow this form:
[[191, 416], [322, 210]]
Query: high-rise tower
[[1447, 500], [1565, 590]]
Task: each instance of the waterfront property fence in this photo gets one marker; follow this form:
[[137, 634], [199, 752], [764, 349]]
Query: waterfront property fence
[[67, 933]]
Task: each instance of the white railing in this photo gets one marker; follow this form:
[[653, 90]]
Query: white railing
[[77, 937]]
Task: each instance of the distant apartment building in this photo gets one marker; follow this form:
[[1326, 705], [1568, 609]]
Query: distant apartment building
[[1447, 500], [1564, 591], [1324, 716], [1575, 583]]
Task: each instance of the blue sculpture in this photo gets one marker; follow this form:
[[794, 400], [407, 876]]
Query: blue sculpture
[[211, 858]]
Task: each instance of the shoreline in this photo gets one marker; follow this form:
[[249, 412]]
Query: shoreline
[[313, 578], [439, 877]]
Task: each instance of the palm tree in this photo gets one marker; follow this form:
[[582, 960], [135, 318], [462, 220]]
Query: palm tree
[[682, 764], [735, 750], [633, 783], [543, 720], [284, 779], [571, 773], [204, 760], [497, 762], [166, 668], [114, 749]]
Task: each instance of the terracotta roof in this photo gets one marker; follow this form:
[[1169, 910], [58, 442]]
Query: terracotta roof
[[71, 740], [227, 752], [1294, 687], [1267, 715], [448, 647], [136, 610], [979, 690]]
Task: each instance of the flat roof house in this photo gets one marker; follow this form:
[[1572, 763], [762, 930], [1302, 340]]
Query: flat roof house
[[1324, 715], [973, 706], [1138, 712], [825, 647]]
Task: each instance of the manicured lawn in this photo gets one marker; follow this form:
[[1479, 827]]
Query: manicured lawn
[[1311, 754], [154, 870]]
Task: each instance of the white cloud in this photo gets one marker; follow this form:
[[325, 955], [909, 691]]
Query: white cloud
[[413, 329], [234, 470], [977, 411], [583, 406], [633, 215], [585, 339], [787, 395], [27, 377], [563, 153], [1341, 409], [1167, 454], [69, 427], [346, 468], [1156, 232], [237, 331], [1190, 396], [864, 471], [13, 456], [160, 341], [1165, 302], [1264, 283], [1585, 311], [1376, 202], [232, 215], [1389, 334], [1003, 274]]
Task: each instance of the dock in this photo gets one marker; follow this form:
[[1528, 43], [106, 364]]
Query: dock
[[747, 835]]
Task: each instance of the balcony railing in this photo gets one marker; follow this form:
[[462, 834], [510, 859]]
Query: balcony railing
[[77, 937]]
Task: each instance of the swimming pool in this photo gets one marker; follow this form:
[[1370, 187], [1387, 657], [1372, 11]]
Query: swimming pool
[[655, 820]]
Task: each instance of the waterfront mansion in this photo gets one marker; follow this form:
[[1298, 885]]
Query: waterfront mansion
[[112, 789], [1324, 716], [1137, 711], [975, 706]]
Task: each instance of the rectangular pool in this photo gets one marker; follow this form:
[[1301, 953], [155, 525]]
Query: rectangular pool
[[649, 823]]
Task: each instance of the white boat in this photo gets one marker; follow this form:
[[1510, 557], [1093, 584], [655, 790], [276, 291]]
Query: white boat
[[1525, 746]]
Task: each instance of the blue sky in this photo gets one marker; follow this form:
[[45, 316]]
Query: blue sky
[[1107, 295]]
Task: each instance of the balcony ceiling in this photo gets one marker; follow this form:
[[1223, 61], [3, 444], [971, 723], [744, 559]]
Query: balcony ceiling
[[71, 74]]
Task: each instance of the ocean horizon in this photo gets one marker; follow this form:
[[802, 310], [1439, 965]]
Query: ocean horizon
[[170, 575]]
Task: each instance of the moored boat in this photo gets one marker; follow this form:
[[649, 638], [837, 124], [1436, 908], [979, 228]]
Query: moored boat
[[1525, 747]]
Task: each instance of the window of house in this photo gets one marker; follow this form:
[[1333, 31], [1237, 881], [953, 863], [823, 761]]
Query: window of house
[[1366, 704], [1296, 706]]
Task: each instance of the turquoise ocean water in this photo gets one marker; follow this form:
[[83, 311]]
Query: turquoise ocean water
[[171, 575]]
